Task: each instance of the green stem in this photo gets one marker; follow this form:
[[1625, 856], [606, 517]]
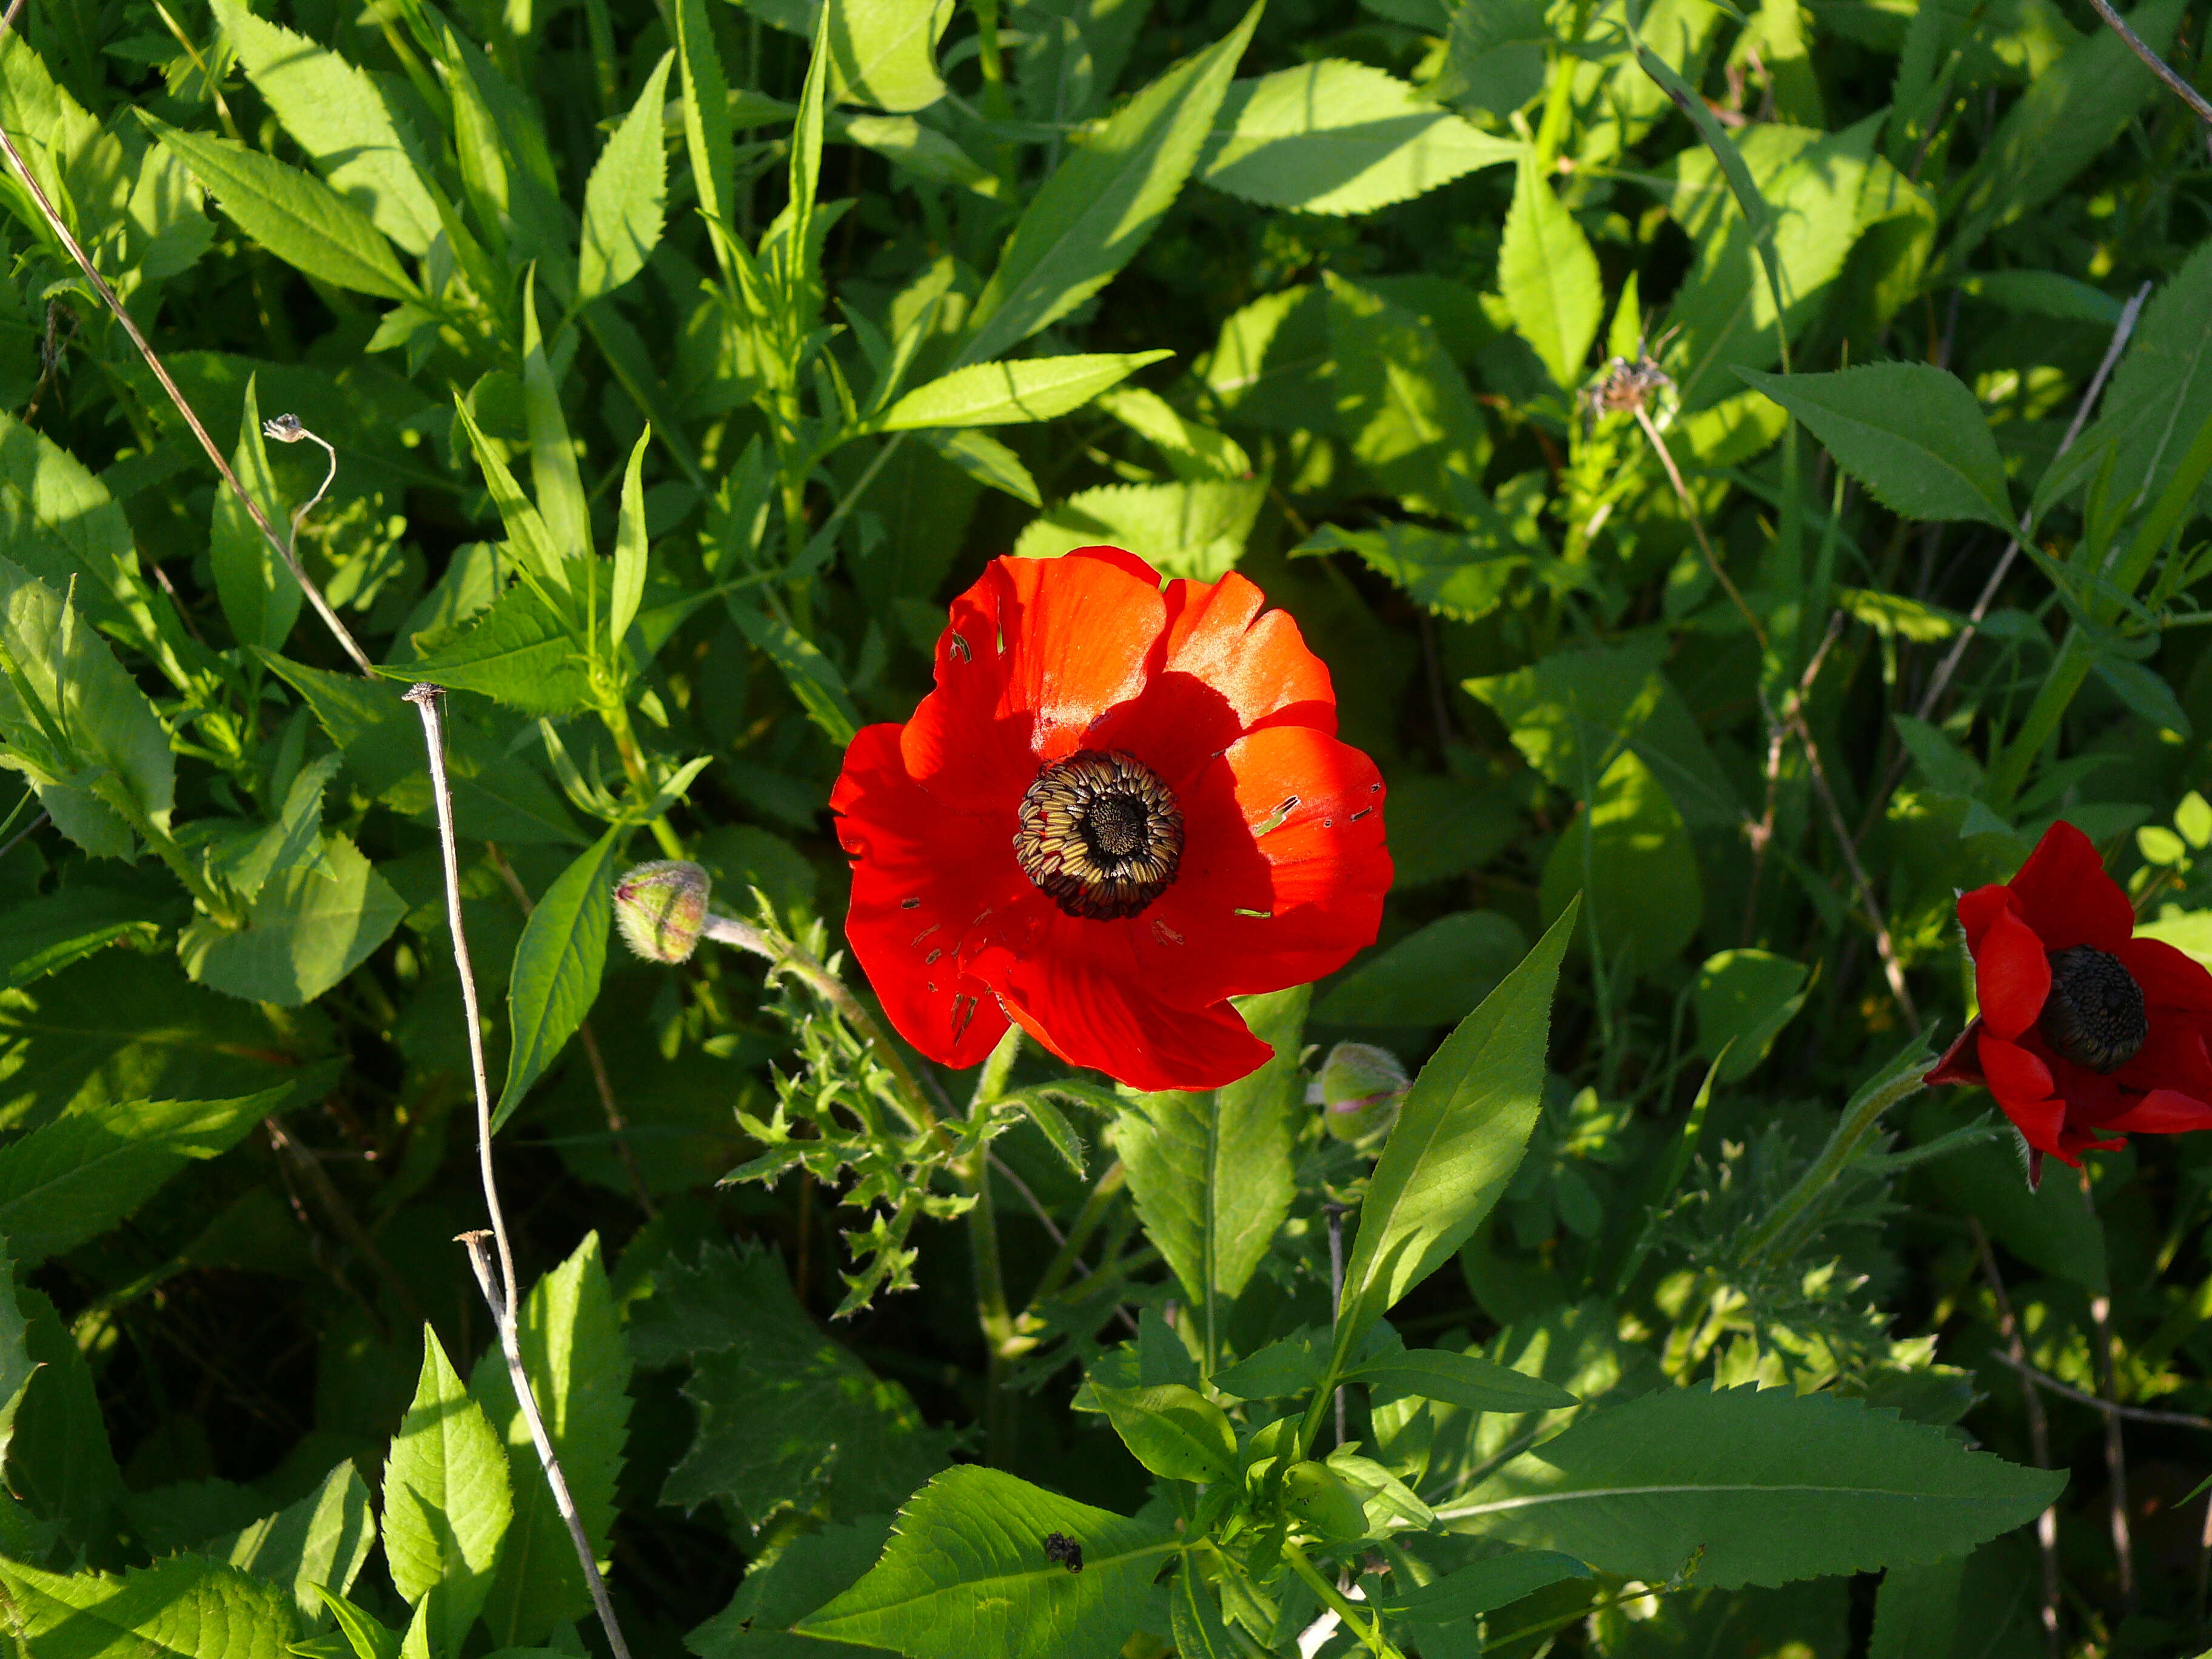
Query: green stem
[[616, 717], [1369, 1630], [1896, 1081], [1111, 1179], [1560, 96], [2052, 698], [991, 1313]]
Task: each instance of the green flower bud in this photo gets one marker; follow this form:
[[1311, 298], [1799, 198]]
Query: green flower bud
[[1360, 1088], [660, 907]]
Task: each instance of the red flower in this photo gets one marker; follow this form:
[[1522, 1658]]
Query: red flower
[[1120, 808], [2087, 1033]]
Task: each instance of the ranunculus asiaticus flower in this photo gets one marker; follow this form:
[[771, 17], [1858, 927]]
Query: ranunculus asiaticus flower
[[2087, 1033], [1120, 807]]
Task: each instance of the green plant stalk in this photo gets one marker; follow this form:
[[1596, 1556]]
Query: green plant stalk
[[985, 1263], [1896, 1081], [182, 866], [1559, 95], [614, 714], [1111, 1179], [1369, 1630]]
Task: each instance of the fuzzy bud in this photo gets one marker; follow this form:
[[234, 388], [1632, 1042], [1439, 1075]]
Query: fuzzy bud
[[660, 907], [1360, 1088]]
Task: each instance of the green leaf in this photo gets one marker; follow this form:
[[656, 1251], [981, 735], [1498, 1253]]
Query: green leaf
[[1494, 57], [1463, 577], [446, 1502], [59, 1461], [624, 197], [1400, 401], [1629, 855], [1004, 394], [553, 474], [16, 1364], [532, 542], [708, 131], [1743, 1000], [1483, 1587], [2161, 393], [627, 591], [1916, 1612], [966, 1574], [812, 678], [571, 1337], [1103, 202], [1910, 432], [1458, 1139], [2052, 1227], [558, 964], [77, 727], [1213, 1171], [339, 115], [1434, 976], [1171, 1430], [1276, 1372], [182, 1607], [260, 598], [47, 934], [1196, 530], [306, 930], [1549, 278], [316, 1546], [1771, 1485], [520, 651], [884, 52], [2143, 690], [78, 1176], [785, 1415], [1458, 1379], [1333, 137], [367, 1639], [987, 461], [800, 1577], [296, 216]]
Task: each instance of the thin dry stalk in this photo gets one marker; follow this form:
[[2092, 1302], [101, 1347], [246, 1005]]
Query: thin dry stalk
[[2050, 1384], [1892, 969], [2115, 1455], [494, 1262], [2158, 66], [1697, 526], [1762, 832], [2039, 1433], [346, 640]]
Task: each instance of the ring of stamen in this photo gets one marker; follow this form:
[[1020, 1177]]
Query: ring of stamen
[[2094, 1015], [1100, 834]]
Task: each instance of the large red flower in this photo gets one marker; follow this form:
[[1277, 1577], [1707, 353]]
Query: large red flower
[[2087, 1033], [1120, 807]]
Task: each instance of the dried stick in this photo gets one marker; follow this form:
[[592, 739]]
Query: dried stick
[[1697, 526], [2157, 65], [1949, 665], [2050, 1384], [2038, 1430], [2115, 1455], [352, 645], [494, 1261]]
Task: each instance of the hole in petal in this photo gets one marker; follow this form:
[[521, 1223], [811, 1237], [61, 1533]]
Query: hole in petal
[[910, 904]]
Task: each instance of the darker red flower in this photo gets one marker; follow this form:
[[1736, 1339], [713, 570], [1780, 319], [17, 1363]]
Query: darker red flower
[[1121, 807], [2087, 1033]]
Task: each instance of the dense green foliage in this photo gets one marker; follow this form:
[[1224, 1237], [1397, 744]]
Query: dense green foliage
[[1635, 405]]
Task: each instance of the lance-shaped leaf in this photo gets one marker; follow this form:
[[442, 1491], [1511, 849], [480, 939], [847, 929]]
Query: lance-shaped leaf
[[558, 964], [1004, 394], [1769, 1483], [446, 1502], [624, 197], [259, 596], [1549, 278]]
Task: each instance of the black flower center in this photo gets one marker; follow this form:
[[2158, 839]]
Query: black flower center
[[1100, 834], [2094, 1014]]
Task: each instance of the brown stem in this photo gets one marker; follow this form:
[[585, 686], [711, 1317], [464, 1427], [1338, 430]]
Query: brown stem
[[2157, 65], [2116, 1455], [310, 1169]]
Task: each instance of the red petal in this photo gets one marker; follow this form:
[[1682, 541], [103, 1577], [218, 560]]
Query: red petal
[[1961, 1062], [2162, 1112], [1034, 652], [922, 878], [1979, 908], [2064, 894], [2012, 975], [1225, 669], [1316, 881], [2173, 1056], [2021, 1084], [2169, 978], [1074, 986]]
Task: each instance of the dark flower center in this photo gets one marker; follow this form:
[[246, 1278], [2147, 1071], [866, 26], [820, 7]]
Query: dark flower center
[[2095, 1013], [1100, 834]]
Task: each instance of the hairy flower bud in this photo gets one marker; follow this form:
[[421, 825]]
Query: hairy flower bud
[[1360, 1088], [660, 907]]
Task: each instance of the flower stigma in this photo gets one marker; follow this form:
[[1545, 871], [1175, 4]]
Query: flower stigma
[[1101, 835], [2094, 1014]]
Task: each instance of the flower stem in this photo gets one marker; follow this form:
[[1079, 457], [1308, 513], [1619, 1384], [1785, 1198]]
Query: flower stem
[[1369, 1630], [1896, 1081]]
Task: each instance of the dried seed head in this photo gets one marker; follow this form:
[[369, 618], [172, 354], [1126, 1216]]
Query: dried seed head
[[284, 428], [1100, 834], [660, 907]]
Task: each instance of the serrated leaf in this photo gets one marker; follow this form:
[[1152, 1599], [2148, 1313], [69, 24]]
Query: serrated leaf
[[1335, 137], [1459, 1379], [987, 461], [296, 216], [96, 1163], [812, 678], [48, 933], [316, 1546], [1909, 432], [520, 652], [1196, 530], [338, 114], [884, 52], [1463, 577], [1103, 202], [447, 1501], [570, 1334], [1459, 1137], [1771, 1485], [182, 1607], [1549, 278], [626, 194], [259, 596], [1173, 1431], [966, 1574], [558, 964], [1006, 394], [626, 590], [306, 930]]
